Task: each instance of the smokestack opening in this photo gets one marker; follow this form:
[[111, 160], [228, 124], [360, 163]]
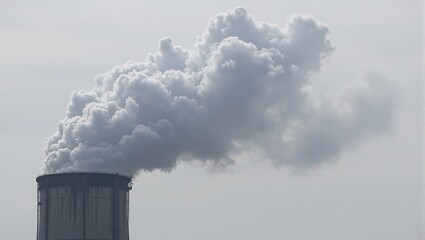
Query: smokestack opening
[[83, 206]]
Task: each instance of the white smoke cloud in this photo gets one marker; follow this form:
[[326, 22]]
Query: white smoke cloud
[[243, 85]]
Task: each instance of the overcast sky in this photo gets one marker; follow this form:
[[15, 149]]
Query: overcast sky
[[371, 190]]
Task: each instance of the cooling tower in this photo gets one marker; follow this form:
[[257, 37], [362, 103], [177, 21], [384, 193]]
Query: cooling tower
[[83, 206]]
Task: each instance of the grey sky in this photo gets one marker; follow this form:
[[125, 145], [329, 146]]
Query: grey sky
[[373, 191]]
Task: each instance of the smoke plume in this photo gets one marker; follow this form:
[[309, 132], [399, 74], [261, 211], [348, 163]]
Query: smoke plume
[[243, 85]]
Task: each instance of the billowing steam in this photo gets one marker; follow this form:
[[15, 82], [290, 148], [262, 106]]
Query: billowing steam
[[244, 85]]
